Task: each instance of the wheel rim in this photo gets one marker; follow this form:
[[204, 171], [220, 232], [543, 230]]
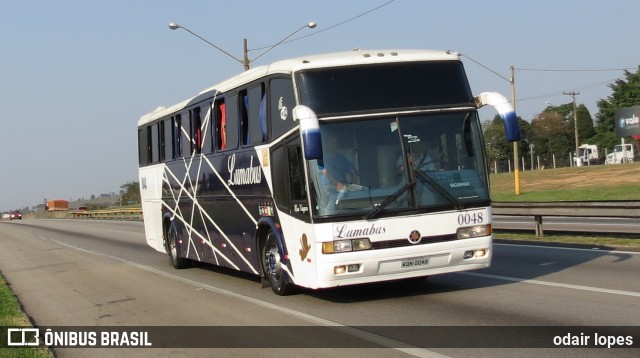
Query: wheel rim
[[272, 257], [172, 246]]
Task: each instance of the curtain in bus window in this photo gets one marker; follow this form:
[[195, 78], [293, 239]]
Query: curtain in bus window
[[198, 129], [223, 126], [263, 117], [245, 120], [199, 138]]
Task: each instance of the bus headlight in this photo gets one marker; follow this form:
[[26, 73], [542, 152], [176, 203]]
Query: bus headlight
[[337, 246], [474, 231]]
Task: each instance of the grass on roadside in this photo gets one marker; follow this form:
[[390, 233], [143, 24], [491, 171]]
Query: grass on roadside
[[620, 192], [12, 316], [592, 183], [586, 240]]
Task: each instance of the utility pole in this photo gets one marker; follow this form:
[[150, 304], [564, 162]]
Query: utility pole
[[245, 56], [575, 125], [516, 172]]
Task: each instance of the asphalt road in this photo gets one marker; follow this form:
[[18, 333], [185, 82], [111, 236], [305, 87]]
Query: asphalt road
[[101, 273]]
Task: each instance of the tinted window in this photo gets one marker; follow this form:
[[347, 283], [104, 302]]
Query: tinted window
[[281, 102], [257, 120], [143, 152], [232, 123], [384, 86], [161, 140], [153, 143], [196, 130]]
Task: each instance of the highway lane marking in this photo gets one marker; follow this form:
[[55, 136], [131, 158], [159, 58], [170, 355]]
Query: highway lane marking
[[553, 284], [374, 338]]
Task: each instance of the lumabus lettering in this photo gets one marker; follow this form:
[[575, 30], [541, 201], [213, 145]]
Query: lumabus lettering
[[243, 176], [344, 232]]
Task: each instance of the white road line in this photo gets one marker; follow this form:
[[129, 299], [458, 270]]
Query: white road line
[[374, 338], [553, 284]]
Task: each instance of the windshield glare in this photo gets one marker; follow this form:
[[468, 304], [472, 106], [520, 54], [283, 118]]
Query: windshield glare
[[426, 161]]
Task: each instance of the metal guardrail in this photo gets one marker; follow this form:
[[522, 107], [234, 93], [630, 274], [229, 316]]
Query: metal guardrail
[[119, 214], [617, 209]]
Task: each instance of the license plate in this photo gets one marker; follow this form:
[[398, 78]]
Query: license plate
[[415, 262]]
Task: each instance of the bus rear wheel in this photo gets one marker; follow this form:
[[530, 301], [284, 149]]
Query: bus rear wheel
[[272, 266], [173, 249]]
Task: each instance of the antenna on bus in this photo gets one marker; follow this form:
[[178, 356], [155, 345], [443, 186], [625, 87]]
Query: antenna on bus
[[245, 61]]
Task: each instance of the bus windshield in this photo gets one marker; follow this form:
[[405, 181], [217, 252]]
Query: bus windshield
[[385, 165]]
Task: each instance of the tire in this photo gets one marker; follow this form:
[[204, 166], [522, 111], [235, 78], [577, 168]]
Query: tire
[[272, 267], [173, 249]]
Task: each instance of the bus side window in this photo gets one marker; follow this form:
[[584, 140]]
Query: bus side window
[[167, 141], [185, 136], [232, 122], [206, 143], [195, 123], [153, 143], [281, 102], [289, 189], [161, 144], [143, 152], [244, 116], [220, 110], [176, 133], [256, 108], [296, 174]]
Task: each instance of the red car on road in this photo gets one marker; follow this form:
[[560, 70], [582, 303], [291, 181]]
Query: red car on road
[[15, 215]]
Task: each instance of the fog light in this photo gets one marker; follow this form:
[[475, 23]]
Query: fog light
[[339, 270], [480, 253], [353, 268], [467, 254]]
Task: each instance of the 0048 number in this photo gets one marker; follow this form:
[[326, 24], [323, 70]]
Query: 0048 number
[[471, 218]]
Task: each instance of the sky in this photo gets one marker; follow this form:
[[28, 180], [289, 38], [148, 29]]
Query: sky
[[76, 75]]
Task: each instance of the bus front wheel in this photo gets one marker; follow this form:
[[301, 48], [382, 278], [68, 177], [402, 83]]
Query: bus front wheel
[[272, 266]]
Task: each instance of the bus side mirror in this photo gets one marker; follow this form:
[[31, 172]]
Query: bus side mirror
[[309, 132], [506, 112]]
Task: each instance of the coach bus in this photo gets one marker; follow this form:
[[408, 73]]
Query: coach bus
[[326, 170]]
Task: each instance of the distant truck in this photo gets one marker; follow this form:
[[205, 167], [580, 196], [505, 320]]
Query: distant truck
[[587, 155], [57, 205], [622, 153]]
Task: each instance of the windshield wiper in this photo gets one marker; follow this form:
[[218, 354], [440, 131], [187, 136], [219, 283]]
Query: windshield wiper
[[425, 178], [390, 199]]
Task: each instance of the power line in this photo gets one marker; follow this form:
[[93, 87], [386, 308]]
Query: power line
[[486, 68], [576, 70], [330, 27], [585, 87]]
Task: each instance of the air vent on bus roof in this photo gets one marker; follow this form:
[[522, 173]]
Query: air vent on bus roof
[[379, 54]]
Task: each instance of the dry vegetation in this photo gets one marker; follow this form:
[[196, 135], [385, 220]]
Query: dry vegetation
[[620, 181]]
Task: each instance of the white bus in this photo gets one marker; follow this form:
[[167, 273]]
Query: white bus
[[324, 171]]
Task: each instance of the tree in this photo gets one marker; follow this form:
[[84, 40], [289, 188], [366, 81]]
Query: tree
[[495, 140], [496, 145], [585, 121], [586, 129], [624, 94], [550, 137], [130, 193]]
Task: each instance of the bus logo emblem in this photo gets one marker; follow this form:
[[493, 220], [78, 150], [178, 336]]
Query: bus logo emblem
[[414, 237]]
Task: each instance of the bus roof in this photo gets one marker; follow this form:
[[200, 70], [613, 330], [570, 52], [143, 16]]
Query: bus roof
[[289, 66]]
